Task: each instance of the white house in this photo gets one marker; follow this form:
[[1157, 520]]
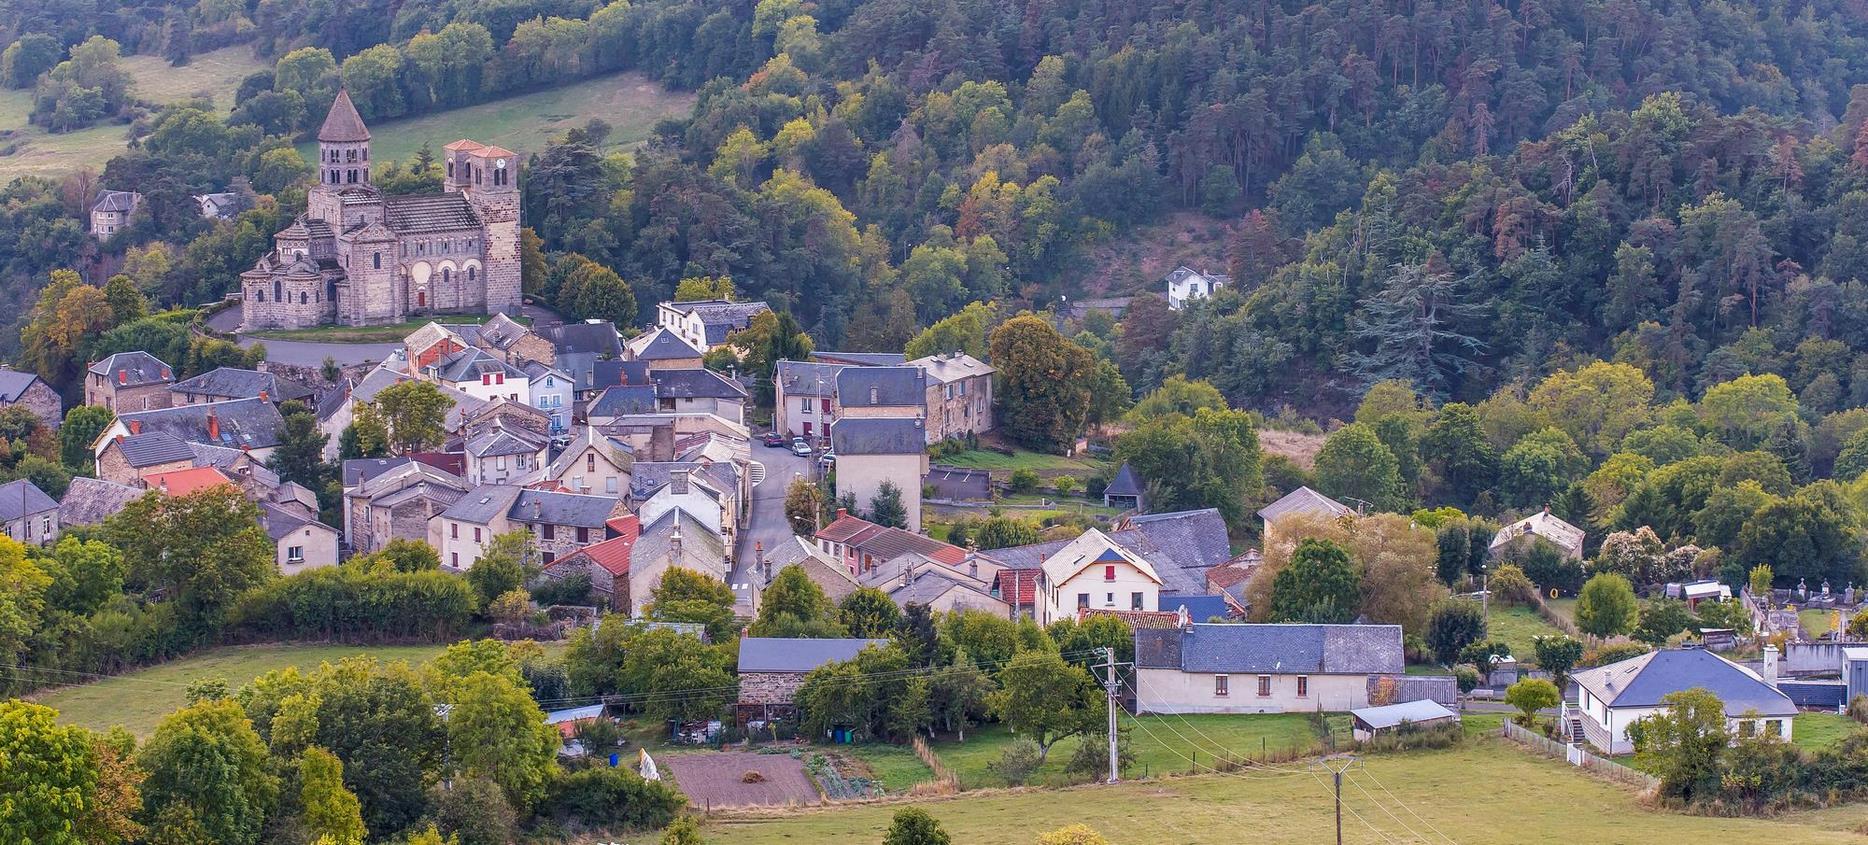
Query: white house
[[1226, 668], [477, 373], [1566, 537], [592, 463], [1185, 285], [690, 493], [705, 324], [1095, 572], [873, 451], [1612, 697], [550, 389]]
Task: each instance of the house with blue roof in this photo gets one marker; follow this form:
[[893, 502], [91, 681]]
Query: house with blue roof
[[1610, 698], [1280, 668]]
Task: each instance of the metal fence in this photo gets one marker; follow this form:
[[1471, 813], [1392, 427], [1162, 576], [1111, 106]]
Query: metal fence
[[1576, 755]]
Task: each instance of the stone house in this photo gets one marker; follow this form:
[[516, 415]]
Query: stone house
[[394, 498], [29, 391], [862, 546], [560, 523], [30, 516], [111, 210], [250, 425], [959, 395], [129, 381], [675, 539], [606, 564], [705, 324], [663, 349], [223, 383], [125, 460], [871, 452], [772, 668], [89, 501]]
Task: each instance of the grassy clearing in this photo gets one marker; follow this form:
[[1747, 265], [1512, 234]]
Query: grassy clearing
[[894, 766], [1565, 608], [31, 151], [1817, 623], [1160, 744], [1815, 731], [629, 102], [1485, 794], [138, 700], [372, 334], [988, 459], [1519, 627]]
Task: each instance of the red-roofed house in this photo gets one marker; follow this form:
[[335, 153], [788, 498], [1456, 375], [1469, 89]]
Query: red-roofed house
[[607, 563], [184, 482], [1018, 588], [863, 545]]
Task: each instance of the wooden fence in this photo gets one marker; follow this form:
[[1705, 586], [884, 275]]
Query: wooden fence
[[1576, 755], [944, 778]]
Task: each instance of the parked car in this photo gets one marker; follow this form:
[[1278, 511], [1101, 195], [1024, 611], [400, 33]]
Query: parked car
[[773, 439], [801, 448], [828, 461]]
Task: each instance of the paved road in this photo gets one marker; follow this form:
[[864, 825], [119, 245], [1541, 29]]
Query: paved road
[[768, 524]]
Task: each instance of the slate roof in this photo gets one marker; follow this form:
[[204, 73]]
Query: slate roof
[[665, 345], [483, 504], [598, 338], [702, 549], [1180, 545], [550, 506], [133, 369], [695, 384], [1392, 715], [1199, 608], [721, 317], [108, 200], [1641, 681], [794, 654], [623, 400], [22, 498], [1273, 649], [88, 501], [952, 367], [495, 440], [877, 436], [1124, 484], [646, 477], [152, 448], [244, 423], [469, 364], [342, 124], [611, 373], [238, 383], [14, 383], [359, 470], [874, 387], [415, 214], [1183, 272], [226, 458], [807, 378], [1303, 500], [860, 359], [280, 522], [1543, 524]]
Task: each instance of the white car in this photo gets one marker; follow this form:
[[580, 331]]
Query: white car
[[800, 448]]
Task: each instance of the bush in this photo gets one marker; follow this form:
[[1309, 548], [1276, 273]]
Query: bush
[[1858, 709], [1550, 569], [1091, 757], [1409, 736], [473, 809], [1017, 763], [1024, 480], [1466, 678], [353, 602], [615, 798], [1529, 696], [1509, 585], [1065, 485], [1480, 654], [1454, 624], [1613, 654]]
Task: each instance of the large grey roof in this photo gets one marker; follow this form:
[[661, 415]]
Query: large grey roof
[[882, 436], [596, 338], [244, 423], [721, 317], [89, 500], [155, 447], [483, 503], [471, 363], [14, 383], [342, 124], [1273, 649], [109, 200], [281, 521], [702, 549], [612, 372], [238, 383], [424, 213], [868, 387], [1180, 545], [21, 498], [808, 378], [623, 400], [549, 506], [646, 477], [1305, 501], [667, 346], [1642, 681], [358, 470], [791, 654], [695, 384], [133, 369], [495, 440]]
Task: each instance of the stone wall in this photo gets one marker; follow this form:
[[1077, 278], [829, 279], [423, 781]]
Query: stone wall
[[146, 397], [769, 687], [44, 403]]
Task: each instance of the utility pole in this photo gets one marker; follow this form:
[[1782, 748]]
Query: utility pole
[[1109, 690], [1336, 775]]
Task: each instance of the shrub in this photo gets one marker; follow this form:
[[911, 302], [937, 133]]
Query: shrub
[[1510, 586], [615, 798], [1613, 654], [1017, 763], [1065, 485], [473, 809], [1529, 696], [1480, 654], [1466, 678], [1024, 480], [1858, 709], [353, 602], [1091, 757], [1454, 624], [913, 826]]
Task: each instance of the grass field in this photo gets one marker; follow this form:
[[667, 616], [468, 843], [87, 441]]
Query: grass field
[[1160, 744], [1817, 622], [1488, 793], [138, 700], [36, 152], [1036, 461], [372, 334], [628, 101], [894, 766], [1821, 730], [1519, 627]]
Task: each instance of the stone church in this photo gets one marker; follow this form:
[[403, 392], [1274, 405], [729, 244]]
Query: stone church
[[359, 258]]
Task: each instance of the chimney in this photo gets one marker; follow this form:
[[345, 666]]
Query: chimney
[[123, 377], [136, 426], [118, 439], [972, 568], [842, 512], [538, 510], [678, 481], [1183, 620], [263, 397], [674, 542], [214, 426], [1770, 665]]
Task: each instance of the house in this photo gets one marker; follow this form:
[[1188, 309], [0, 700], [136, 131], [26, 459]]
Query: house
[[1369, 722], [859, 359], [675, 539], [699, 391], [111, 210], [394, 499], [89, 501], [605, 564], [612, 373], [915, 578], [223, 383], [28, 391], [1093, 571], [560, 523], [623, 400], [861, 545], [828, 573], [223, 205], [804, 397], [688, 491], [1300, 502], [551, 391], [506, 338], [1184, 285], [31, 517], [881, 392], [301, 542], [125, 460], [772, 668], [128, 381], [664, 349], [1566, 537], [591, 463], [250, 425], [1285, 668], [498, 453], [1182, 546], [577, 347], [1124, 491], [480, 374], [958, 401], [705, 324], [872, 452], [1612, 697]]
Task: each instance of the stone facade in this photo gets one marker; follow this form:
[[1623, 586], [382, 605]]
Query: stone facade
[[113, 467], [769, 688], [357, 257], [42, 401]]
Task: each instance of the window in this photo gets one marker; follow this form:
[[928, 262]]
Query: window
[[1109, 599], [1109, 572], [454, 531], [551, 531], [1303, 686], [1264, 686], [547, 557], [470, 274], [376, 261], [476, 533], [590, 462], [609, 484], [1083, 601], [454, 559], [1220, 683], [295, 554], [583, 534], [1773, 727], [1135, 601]]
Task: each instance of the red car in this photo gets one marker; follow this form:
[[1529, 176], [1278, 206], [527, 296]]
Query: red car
[[773, 438]]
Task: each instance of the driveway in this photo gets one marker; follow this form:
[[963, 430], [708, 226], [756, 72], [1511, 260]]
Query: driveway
[[768, 524]]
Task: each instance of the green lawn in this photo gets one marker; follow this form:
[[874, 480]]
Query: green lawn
[[894, 766], [1160, 744], [1565, 608], [1021, 459], [1817, 622], [373, 334], [1488, 793], [1519, 627], [629, 102], [29, 150], [1813, 731], [138, 700]]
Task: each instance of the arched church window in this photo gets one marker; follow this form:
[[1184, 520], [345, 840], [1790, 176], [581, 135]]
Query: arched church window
[[275, 290], [302, 298], [470, 274], [447, 275]]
